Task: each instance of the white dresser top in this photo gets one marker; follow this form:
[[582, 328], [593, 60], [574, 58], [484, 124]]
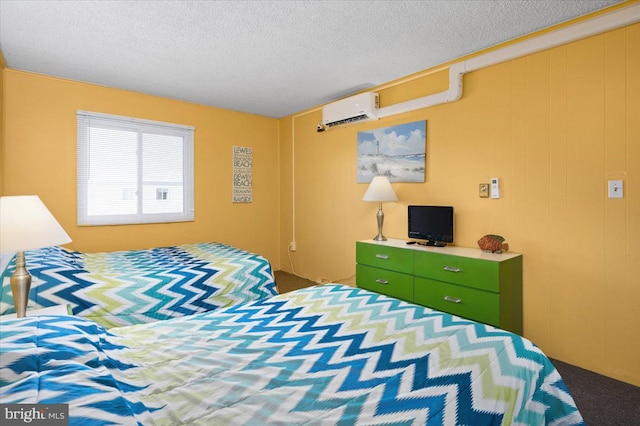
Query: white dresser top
[[475, 253]]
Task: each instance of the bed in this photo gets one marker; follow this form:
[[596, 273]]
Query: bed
[[139, 286], [323, 355]]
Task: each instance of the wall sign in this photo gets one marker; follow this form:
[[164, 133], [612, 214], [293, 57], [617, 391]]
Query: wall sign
[[242, 174]]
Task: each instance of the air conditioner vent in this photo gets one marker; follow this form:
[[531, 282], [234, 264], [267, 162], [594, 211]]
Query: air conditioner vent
[[360, 117], [356, 108]]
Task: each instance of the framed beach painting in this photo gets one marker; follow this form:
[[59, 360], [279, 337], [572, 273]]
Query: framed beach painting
[[397, 152]]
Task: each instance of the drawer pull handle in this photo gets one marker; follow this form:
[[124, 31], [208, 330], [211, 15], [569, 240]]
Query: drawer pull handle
[[381, 281], [452, 299], [452, 269], [382, 256]]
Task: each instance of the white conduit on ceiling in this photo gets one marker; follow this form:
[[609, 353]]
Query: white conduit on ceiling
[[597, 25], [607, 22]]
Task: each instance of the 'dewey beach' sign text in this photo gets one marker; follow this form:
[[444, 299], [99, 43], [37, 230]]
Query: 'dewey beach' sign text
[[242, 174]]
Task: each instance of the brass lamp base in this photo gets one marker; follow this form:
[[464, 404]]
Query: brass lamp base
[[380, 218], [20, 285]]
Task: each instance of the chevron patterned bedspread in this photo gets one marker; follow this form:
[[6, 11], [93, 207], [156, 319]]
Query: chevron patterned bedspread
[[325, 355], [133, 287]]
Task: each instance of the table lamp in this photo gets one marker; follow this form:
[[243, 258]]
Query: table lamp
[[380, 190], [26, 224]]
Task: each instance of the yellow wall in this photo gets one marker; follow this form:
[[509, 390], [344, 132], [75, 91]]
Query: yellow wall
[[40, 158], [2, 68], [553, 126]]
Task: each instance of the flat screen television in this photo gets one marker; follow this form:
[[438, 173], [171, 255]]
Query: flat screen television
[[434, 224]]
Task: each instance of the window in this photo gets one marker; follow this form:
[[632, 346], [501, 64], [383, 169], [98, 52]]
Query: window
[[133, 171]]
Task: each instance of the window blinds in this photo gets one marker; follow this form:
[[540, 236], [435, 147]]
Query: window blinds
[[133, 171]]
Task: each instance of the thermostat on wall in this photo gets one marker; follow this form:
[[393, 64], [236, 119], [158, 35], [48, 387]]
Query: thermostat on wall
[[495, 188]]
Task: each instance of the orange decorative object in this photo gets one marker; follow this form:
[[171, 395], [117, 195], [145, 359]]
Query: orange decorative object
[[493, 243]]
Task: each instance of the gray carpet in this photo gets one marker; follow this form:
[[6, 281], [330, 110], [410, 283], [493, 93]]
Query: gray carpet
[[286, 282], [601, 400]]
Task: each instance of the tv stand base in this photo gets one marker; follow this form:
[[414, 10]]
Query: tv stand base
[[433, 243]]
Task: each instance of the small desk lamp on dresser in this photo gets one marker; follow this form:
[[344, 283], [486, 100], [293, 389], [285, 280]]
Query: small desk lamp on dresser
[[26, 224], [380, 190]]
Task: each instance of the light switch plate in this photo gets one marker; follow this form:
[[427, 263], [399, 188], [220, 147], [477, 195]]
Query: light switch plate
[[615, 189]]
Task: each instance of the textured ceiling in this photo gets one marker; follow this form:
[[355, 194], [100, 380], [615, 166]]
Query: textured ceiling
[[271, 58]]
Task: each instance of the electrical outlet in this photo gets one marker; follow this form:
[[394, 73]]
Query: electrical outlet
[[292, 246]]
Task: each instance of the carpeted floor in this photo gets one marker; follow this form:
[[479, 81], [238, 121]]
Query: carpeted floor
[[601, 400], [286, 282]]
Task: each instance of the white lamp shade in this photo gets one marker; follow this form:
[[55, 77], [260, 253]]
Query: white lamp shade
[[27, 224], [380, 190]]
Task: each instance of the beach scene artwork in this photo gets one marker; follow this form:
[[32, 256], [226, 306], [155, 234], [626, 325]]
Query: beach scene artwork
[[397, 152]]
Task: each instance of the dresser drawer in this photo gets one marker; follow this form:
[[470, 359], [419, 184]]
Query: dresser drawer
[[385, 257], [391, 283], [476, 273], [478, 305]]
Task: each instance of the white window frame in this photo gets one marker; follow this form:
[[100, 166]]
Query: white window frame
[[85, 120]]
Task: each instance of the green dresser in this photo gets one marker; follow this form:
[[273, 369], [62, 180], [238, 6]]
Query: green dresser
[[467, 282]]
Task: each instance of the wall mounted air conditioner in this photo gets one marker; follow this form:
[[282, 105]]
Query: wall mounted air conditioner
[[353, 109]]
